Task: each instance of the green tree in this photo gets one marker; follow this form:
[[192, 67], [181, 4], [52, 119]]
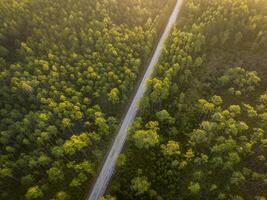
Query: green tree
[[140, 184], [171, 148], [164, 117], [55, 174], [34, 193], [113, 95], [146, 138]]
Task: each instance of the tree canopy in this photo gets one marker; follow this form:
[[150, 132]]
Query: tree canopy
[[208, 98], [67, 70]]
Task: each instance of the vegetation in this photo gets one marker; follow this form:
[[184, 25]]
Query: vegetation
[[207, 102], [67, 70]]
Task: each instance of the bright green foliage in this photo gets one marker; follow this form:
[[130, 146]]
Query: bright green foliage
[[55, 174], [108, 197], [147, 138], [76, 143], [212, 142], [114, 95], [194, 188], [171, 148], [121, 160], [165, 118], [160, 89], [205, 106], [242, 82], [34, 193], [61, 196], [140, 184], [67, 71]]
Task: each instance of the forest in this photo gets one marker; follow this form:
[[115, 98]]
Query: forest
[[201, 131], [67, 71]]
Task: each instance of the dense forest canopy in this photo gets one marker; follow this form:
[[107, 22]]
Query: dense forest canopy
[[201, 132], [67, 70]]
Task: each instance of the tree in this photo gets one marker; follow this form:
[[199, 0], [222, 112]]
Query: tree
[[240, 81], [140, 184], [113, 96], [26, 88], [146, 138], [61, 196], [172, 148], [55, 174], [76, 143], [194, 187], [27, 180], [121, 160], [34, 193], [164, 117]]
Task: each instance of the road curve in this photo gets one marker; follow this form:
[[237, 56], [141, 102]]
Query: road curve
[[107, 170]]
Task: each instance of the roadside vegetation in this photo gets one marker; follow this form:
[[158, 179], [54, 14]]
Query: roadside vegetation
[[201, 132]]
